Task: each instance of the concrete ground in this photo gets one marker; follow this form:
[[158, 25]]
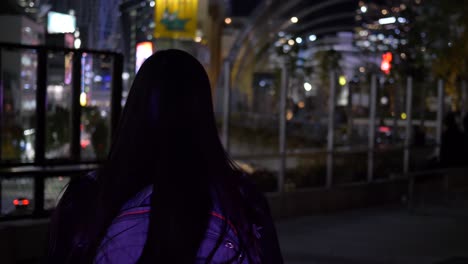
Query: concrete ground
[[435, 234]]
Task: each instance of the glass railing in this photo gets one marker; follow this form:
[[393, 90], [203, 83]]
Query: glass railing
[[58, 111]]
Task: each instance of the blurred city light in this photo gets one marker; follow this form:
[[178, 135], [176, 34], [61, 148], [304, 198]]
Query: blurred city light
[[152, 3], [83, 99], [404, 116], [60, 23], [384, 100], [291, 42], [312, 37], [77, 43], [228, 20], [125, 76], [401, 20], [364, 9], [299, 40], [28, 132], [342, 80], [387, 20], [386, 65], [294, 20], [307, 86], [97, 78]]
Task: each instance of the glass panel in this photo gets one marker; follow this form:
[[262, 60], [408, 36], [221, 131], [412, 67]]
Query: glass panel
[[350, 167], [58, 123], [357, 129], [17, 196], [95, 100], [388, 163], [254, 118], [307, 111], [18, 105], [54, 188]]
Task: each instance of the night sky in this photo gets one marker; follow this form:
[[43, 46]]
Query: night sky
[[243, 7]]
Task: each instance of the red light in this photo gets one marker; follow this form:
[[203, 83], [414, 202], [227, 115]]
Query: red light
[[15, 202], [386, 65], [85, 142], [384, 129], [25, 202]]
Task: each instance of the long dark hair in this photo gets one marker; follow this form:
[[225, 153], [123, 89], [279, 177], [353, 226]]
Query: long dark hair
[[167, 138]]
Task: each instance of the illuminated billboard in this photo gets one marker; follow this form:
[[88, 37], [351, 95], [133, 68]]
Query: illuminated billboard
[[143, 51], [176, 19], [60, 23]]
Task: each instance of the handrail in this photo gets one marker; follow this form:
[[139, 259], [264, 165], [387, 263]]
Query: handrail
[[39, 174], [9, 45], [46, 170]]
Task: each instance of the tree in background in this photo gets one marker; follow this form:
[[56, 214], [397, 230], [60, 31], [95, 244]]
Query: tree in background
[[327, 61], [437, 43], [446, 23]]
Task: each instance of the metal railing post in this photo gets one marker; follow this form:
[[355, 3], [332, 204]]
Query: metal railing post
[[76, 107], [331, 129], [1, 121], [41, 108], [409, 105], [282, 125], [440, 113], [371, 132], [1, 109], [464, 97], [116, 93], [226, 104]]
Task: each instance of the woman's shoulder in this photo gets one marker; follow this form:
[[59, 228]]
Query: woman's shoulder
[[252, 195]]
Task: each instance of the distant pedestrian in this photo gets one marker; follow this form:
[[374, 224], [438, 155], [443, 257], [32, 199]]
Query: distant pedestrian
[[465, 138], [168, 192], [451, 149], [419, 137]]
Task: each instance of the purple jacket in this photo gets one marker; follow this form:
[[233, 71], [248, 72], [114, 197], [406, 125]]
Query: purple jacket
[[125, 238]]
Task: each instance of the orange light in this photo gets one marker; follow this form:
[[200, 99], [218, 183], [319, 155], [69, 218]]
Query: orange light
[[15, 202], [25, 202], [387, 57]]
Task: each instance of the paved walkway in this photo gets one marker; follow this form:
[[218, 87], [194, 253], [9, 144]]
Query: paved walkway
[[390, 235]]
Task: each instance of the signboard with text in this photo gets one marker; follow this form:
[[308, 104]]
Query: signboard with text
[[176, 19]]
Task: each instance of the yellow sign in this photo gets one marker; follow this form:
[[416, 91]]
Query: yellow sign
[[176, 19]]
